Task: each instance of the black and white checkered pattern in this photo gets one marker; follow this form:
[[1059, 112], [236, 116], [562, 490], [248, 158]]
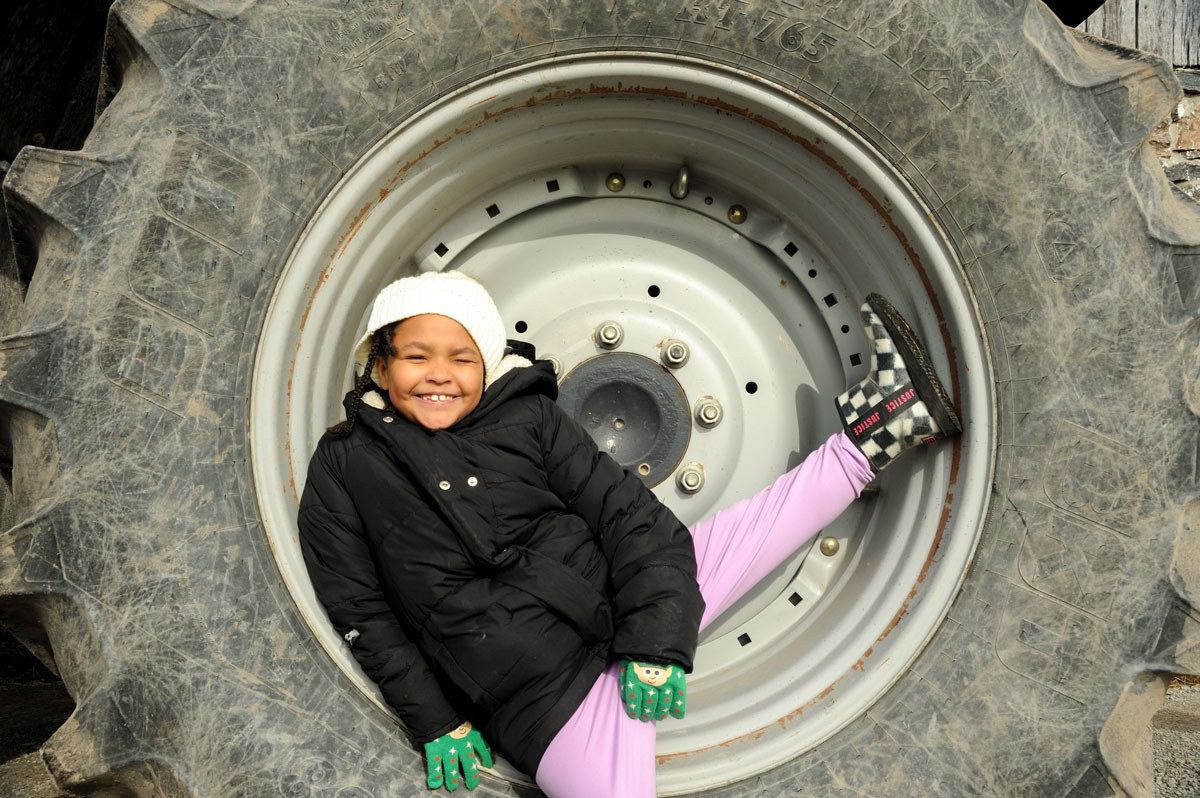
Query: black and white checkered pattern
[[913, 425]]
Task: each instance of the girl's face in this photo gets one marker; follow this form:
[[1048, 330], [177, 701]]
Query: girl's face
[[436, 376]]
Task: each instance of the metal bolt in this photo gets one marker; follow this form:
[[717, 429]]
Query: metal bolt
[[615, 181], [709, 412], [674, 353], [830, 546], [555, 363], [690, 478], [737, 214], [679, 189], [609, 335]]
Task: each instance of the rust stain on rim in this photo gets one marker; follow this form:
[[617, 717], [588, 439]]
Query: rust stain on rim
[[356, 224]]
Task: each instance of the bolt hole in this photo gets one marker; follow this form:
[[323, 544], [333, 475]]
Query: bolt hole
[[845, 328], [830, 300], [791, 249], [744, 639], [644, 469], [493, 210], [440, 250], [856, 359], [752, 387], [812, 272], [708, 200], [552, 186], [795, 598], [653, 290], [646, 184], [521, 326]]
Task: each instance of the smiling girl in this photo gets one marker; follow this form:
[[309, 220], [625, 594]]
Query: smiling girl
[[434, 375], [492, 569]]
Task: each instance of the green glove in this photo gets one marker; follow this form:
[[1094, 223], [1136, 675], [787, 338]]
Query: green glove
[[450, 752], [651, 691]]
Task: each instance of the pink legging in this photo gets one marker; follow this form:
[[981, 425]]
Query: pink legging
[[601, 751]]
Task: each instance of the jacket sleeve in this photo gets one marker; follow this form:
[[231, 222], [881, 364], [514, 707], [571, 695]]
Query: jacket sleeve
[[652, 562], [347, 585]]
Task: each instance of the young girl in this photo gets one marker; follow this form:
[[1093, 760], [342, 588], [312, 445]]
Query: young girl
[[492, 569]]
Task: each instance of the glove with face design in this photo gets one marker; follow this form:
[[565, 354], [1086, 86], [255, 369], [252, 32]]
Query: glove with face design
[[455, 758], [651, 692]]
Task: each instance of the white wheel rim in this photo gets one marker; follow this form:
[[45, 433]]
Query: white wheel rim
[[740, 296]]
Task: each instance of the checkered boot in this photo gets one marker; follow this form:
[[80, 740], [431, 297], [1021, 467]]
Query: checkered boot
[[901, 403]]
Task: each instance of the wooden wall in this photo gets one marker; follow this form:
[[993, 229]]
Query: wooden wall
[[1169, 28]]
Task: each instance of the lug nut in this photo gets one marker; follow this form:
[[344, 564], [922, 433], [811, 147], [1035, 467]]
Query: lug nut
[[690, 478], [674, 353], [830, 546], [737, 214], [679, 189], [709, 412], [615, 181], [555, 363], [609, 335]]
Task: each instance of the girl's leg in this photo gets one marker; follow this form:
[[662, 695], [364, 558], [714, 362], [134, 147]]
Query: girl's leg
[[743, 543], [601, 752]]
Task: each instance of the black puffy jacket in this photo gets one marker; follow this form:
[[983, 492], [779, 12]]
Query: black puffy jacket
[[492, 570]]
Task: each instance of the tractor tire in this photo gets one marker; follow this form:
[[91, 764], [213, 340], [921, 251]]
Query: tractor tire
[[156, 392]]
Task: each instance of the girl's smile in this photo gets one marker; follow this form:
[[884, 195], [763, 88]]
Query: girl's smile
[[434, 372]]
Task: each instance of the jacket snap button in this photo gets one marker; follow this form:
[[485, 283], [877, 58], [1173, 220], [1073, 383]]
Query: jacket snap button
[[387, 419], [472, 481], [444, 485]]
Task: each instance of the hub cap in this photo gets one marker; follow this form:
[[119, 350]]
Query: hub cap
[[633, 408]]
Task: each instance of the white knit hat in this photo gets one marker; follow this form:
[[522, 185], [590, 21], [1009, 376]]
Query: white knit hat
[[451, 294]]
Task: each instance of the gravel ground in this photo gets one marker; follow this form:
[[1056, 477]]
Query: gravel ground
[[27, 777], [1177, 744]]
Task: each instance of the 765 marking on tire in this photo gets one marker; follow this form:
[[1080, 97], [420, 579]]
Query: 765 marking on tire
[[799, 38]]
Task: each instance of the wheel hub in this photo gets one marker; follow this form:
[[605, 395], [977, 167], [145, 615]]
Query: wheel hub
[[633, 409]]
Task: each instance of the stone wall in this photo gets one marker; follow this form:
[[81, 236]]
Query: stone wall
[[1177, 141]]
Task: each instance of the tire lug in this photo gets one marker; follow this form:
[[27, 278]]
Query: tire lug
[[690, 478], [674, 353], [679, 189], [737, 214], [615, 181], [709, 412], [830, 546], [609, 335]]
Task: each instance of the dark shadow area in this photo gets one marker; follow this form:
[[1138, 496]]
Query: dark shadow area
[[49, 71], [34, 700]]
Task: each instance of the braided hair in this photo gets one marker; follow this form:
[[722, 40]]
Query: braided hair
[[381, 344]]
